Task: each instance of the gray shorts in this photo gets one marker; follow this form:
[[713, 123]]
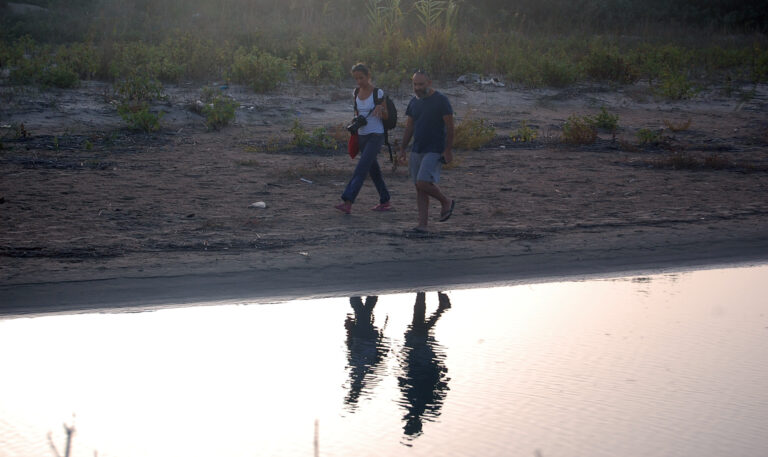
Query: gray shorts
[[425, 166]]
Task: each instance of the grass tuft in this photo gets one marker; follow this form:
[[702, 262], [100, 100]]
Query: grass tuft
[[473, 134], [680, 126], [579, 130]]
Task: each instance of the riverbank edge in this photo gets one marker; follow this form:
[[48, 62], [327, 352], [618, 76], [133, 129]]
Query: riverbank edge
[[255, 286]]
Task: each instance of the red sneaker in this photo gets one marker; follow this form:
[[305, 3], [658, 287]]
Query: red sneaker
[[382, 207], [344, 207]]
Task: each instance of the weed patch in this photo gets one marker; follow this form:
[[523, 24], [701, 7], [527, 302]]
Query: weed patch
[[524, 133], [135, 95], [473, 134], [675, 86], [319, 64], [218, 109], [260, 70], [139, 89], [558, 73], [60, 77], [140, 117], [318, 138], [579, 130], [649, 137], [680, 126], [606, 66]]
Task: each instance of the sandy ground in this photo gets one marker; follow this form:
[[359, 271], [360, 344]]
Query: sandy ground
[[93, 215]]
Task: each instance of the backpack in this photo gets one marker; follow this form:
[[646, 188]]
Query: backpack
[[390, 122]]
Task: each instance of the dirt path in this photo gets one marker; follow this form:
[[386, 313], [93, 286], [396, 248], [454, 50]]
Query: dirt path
[[85, 199]]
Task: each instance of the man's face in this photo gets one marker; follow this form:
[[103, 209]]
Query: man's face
[[421, 85]]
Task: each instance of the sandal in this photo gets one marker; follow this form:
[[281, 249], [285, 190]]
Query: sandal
[[382, 207], [447, 214]]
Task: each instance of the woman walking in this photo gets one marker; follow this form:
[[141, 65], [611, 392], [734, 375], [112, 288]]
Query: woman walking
[[371, 138]]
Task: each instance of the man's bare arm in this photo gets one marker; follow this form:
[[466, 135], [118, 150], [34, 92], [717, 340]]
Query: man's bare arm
[[407, 135]]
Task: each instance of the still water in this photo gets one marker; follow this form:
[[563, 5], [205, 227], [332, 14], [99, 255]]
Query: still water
[[672, 364]]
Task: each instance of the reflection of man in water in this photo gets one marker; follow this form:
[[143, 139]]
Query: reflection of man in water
[[366, 347], [424, 383]]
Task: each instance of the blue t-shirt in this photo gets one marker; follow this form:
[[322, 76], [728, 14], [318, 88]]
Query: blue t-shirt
[[428, 123]]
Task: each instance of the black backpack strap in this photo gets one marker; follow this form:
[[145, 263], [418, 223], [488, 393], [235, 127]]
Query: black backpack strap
[[376, 101], [354, 99]]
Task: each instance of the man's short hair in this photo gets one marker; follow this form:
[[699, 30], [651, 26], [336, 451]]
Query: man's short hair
[[421, 71]]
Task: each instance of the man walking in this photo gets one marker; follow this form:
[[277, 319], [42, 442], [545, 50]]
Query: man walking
[[429, 121]]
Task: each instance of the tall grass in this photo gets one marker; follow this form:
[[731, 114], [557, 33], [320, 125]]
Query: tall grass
[[203, 40]]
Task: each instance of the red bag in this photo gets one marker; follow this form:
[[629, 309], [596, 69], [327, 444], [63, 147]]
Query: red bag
[[353, 147]]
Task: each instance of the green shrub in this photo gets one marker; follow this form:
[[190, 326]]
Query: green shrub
[[318, 64], [557, 72], [473, 134], [394, 53], [167, 70], [675, 86], [260, 70], [26, 71], [139, 89], [60, 77], [80, 58], [31, 63], [135, 94], [605, 120], [609, 67], [524, 133], [219, 112], [655, 61], [524, 72], [759, 64], [124, 60], [438, 52], [679, 126], [317, 70], [319, 138], [648, 136], [579, 130], [139, 116], [187, 55], [391, 79], [26, 61]]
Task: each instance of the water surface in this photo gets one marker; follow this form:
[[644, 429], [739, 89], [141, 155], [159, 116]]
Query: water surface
[[663, 365]]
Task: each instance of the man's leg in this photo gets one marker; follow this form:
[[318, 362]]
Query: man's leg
[[422, 202], [430, 189]]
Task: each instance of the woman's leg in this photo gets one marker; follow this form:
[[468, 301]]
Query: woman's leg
[[369, 149], [377, 177]]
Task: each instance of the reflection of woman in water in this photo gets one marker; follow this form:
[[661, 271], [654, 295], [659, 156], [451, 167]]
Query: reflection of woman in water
[[424, 383], [366, 348]]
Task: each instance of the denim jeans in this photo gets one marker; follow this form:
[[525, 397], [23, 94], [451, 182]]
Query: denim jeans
[[370, 146]]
